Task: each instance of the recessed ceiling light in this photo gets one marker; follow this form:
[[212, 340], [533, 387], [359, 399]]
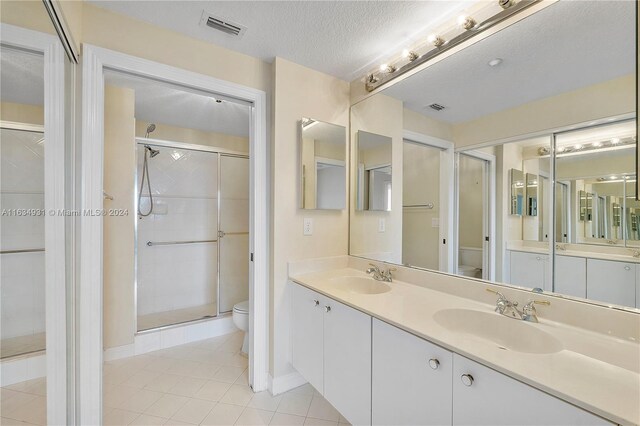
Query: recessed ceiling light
[[495, 62]]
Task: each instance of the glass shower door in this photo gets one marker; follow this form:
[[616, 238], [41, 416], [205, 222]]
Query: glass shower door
[[22, 242], [234, 231], [177, 250]]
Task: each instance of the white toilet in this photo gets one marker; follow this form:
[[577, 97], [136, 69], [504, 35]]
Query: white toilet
[[241, 320]]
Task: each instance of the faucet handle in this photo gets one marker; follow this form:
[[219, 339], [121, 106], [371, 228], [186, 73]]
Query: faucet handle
[[500, 295], [530, 308]]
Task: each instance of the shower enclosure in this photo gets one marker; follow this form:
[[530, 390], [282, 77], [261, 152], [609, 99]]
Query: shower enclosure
[[192, 249], [22, 240]]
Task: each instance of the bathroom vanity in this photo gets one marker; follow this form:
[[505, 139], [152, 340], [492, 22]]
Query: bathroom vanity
[[428, 348]]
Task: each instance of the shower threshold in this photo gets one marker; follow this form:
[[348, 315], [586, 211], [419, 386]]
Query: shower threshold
[[175, 317]]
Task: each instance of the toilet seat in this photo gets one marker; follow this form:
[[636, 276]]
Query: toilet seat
[[242, 307]]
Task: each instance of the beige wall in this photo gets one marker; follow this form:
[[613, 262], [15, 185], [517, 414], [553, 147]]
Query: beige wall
[[419, 123], [147, 41], [298, 92], [607, 99], [382, 115], [21, 113], [198, 137], [28, 14], [119, 233]]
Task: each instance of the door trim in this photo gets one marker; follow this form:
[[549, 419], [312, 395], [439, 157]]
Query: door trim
[[95, 60], [54, 202]]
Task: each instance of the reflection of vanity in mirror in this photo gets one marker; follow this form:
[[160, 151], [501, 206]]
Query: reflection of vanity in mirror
[[323, 162], [541, 170]]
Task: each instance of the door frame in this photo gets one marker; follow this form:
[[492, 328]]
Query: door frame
[[489, 209], [90, 349], [54, 203], [446, 201]]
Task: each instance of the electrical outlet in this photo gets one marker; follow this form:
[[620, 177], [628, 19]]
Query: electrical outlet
[[308, 226], [381, 225]]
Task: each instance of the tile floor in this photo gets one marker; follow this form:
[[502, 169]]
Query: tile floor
[[201, 383]]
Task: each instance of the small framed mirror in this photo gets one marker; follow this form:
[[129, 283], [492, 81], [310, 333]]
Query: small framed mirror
[[323, 148], [374, 183], [517, 192]]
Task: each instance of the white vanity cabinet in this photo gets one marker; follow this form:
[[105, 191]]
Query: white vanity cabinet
[[529, 269], [482, 396], [331, 349], [571, 276], [611, 282], [306, 335], [411, 379]]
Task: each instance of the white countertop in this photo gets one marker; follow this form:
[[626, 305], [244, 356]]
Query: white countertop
[[614, 254], [594, 371]]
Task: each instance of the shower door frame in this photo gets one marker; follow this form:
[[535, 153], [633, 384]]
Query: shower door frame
[[90, 351], [164, 143]]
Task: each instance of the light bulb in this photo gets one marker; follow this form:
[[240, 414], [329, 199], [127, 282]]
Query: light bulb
[[436, 40], [560, 149], [613, 177], [596, 144], [383, 68], [577, 146], [615, 141], [386, 68], [466, 22], [410, 55]]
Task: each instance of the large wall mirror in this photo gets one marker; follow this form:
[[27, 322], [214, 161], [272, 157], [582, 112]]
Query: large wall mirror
[[543, 178], [323, 150]]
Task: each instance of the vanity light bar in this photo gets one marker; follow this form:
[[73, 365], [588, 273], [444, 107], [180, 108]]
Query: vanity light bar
[[466, 27], [586, 147]]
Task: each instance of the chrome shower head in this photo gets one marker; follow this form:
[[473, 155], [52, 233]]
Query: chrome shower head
[[152, 152], [150, 128]]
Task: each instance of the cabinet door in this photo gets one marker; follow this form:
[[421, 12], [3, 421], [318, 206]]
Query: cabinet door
[[529, 269], [571, 276], [406, 389], [347, 362], [495, 399], [611, 282], [307, 335]]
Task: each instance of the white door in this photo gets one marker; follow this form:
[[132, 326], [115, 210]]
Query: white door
[[529, 269], [611, 282], [411, 380], [307, 335], [483, 396], [347, 361], [571, 276]]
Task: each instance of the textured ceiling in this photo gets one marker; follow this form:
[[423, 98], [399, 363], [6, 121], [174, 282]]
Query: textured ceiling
[[21, 76], [569, 45], [341, 38], [160, 103]]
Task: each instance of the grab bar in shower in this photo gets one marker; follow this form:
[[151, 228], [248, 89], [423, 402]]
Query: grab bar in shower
[[21, 251], [170, 243]]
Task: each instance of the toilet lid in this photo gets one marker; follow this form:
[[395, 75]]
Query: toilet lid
[[242, 306]]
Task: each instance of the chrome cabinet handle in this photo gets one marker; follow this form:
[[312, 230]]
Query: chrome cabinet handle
[[467, 379], [327, 308], [434, 363], [538, 258], [316, 302]]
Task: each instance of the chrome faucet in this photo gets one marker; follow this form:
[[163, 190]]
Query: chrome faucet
[[380, 275], [510, 309]]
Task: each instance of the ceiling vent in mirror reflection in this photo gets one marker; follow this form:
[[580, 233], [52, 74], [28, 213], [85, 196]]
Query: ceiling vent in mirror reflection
[[222, 24], [437, 107]]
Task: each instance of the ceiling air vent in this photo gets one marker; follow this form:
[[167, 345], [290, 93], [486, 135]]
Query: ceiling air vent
[[436, 107], [222, 24]]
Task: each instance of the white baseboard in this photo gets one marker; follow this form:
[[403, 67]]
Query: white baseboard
[[23, 369], [282, 384], [174, 336]]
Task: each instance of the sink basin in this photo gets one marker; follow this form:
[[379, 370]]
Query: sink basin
[[360, 285], [506, 333]]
